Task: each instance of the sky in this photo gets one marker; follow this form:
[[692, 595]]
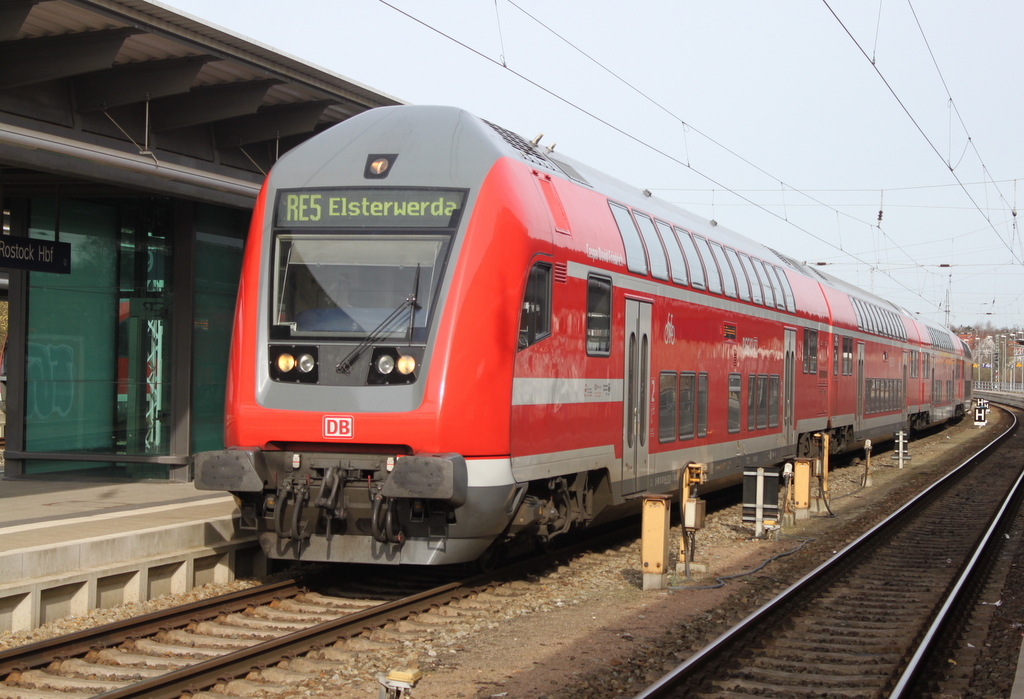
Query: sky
[[883, 139]]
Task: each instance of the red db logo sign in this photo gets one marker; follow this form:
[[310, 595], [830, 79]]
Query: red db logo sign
[[339, 427]]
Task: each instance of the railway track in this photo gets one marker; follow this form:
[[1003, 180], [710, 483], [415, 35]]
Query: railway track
[[861, 625], [270, 639]]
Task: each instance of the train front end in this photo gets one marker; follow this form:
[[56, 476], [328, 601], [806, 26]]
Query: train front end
[[370, 371]]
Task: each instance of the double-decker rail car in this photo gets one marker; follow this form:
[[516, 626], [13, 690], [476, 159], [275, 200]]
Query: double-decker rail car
[[447, 337]]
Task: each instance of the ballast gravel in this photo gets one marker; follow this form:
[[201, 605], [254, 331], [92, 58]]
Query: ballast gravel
[[587, 629]]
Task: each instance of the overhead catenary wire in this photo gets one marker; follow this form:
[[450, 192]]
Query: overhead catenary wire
[[669, 156], [918, 126]]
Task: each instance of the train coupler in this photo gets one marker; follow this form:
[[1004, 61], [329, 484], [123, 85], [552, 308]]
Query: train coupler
[[297, 494]]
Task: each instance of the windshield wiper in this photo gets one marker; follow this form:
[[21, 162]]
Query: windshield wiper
[[345, 365]]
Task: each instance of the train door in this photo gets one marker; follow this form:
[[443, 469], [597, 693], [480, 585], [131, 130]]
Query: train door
[[635, 410], [858, 419], [789, 377], [903, 393]]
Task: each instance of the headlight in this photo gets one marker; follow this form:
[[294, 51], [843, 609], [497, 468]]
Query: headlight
[[306, 363], [385, 364], [285, 363], [406, 364]]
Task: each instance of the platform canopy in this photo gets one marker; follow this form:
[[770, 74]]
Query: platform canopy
[[108, 94]]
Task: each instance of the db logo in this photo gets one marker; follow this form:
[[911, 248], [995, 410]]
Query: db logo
[[339, 427]]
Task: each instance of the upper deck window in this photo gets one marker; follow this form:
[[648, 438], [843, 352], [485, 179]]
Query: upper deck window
[[636, 257], [714, 279], [692, 258], [659, 267], [675, 255]]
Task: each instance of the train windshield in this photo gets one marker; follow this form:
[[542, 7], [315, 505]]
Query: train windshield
[[349, 285]]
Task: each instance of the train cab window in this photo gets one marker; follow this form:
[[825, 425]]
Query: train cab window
[[769, 290], [755, 283], [599, 316], [702, 404], [835, 355], [735, 402], [535, 319], [751, 402], [687, 404], [773, 400], [762, 401], [741, 277], [636, 257], [714, 278], [727, 276], [847, 356], [656, 253], [667, 384], [675, 255], [787, 290], [697, 277]]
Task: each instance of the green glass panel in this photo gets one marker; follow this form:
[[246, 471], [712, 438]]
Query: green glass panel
[[98, 343], [219, 243]]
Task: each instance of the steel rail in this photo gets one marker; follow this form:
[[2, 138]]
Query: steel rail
[[43, 652], [207, 673], [665, 686], [986, 543]]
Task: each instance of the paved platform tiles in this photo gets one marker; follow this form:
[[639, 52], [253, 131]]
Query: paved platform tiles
[[67, 548]]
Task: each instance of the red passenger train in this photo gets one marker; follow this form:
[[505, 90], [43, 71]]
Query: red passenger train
[[446, 337]]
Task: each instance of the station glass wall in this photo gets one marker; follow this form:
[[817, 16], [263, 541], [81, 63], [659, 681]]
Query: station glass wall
[[99, 349], [220, 234]]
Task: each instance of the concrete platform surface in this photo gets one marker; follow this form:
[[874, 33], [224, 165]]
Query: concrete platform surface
[[68, 547]]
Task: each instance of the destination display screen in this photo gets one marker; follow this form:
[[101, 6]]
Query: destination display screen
[[369, 208]]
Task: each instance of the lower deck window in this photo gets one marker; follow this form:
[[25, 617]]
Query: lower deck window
[[667, 406]]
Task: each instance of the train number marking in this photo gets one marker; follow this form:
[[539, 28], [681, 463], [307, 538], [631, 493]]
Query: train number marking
[[339, 427]]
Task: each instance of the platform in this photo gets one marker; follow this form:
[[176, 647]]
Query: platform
[[69, 547]]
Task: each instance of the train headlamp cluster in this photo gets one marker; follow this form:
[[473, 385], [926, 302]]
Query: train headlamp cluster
[[391, 365], [286, 362], [386, 363], [294, 364], [377, 366]]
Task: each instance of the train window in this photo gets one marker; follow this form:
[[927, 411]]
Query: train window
[[735, 401], [687, 412], [350, 286], [702, 404], [714, 279], [780, 296], [599, 316], [675, 255], [769, 290], [762, 401], [876, 323], [741, 276], [787, 290], [636, 257], [667, 383], [727, 276], [535, 319], [755, 283], [751, 401], [847, 356], [835, 355], [773, 400], [810, 351], [656, 253], [697, 276]]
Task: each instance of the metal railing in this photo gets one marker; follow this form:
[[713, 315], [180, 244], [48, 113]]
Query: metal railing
[[1000, 386]]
